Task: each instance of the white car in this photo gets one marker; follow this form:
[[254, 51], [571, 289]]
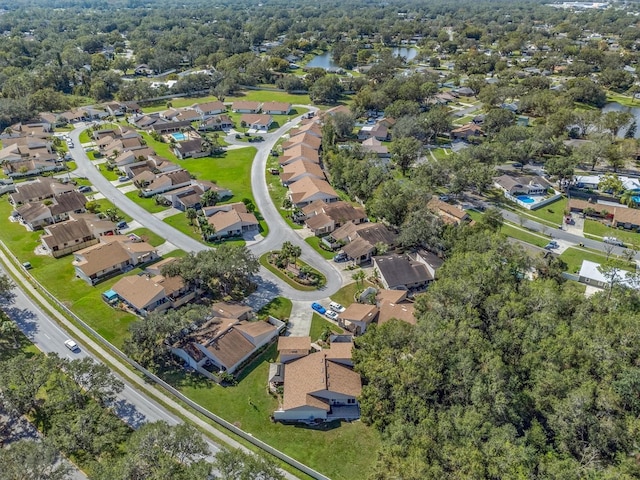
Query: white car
[[331, 314], [71, 345], [336, 307]]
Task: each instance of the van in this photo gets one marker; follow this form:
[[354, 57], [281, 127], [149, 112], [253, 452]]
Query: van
[[27, 265]]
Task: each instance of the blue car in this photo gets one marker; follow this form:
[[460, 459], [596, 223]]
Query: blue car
[[318, 308]]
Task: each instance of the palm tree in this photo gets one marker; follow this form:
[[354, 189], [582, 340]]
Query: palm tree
[[359, 277], [210, 198], [628, 198], [191, 215]]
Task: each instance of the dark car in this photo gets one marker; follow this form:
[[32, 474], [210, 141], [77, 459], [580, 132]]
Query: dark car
[[340, 257]]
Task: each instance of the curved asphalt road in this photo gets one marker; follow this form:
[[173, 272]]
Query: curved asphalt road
[[269, 286]]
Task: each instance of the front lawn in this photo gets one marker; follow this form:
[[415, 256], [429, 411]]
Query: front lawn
[[552, 213], [278, 192], [279, 307], [598, 230], [264, 261], [148, 236], [318, 326], [574, 256], [110, 175], [148, 203], [345, 296], [315, 243], [336, 452]]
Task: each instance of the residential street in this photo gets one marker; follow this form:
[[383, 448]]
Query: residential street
[[269, 285]]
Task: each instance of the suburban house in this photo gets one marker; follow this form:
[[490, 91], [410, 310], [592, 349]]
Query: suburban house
[[56, 209], [80, 231], [321, 386], [224, 344], [312, 128], [525, 185], [153, 163], [191, 195], [339, 109], [299, 152], [398, 272], [306, 139], [276, 108], [309, 189], [294, 171], [577, 205], [115, 109], [232, 310], [292, 348], [193, 148], [628, 218], [447, 212], [256, 121], [231, 220], [152, 290], [375, 146], [30, 168], [163, 127], [379, 131], [209, 109], [245, 107], [323, 218], [357, 317], [591, 275], [360, 240], [113, 255], [216, 123], [167, 181], [466, 131], [38, 190], [394, 304]]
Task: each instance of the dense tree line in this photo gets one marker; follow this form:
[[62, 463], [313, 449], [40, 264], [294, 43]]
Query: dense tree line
[[505, 377]]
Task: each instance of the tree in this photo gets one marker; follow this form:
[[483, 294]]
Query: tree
[[405, 152], [209, 198], [611, 183], [628, 198], [6, 285], [498, 118], [191, 215], [85, 379], [359, 277], [390, 201], [22, 378], [326, 89], [237, 465], [492, 219], [113, 214], [343, 124], [34, 460], [614, 121], [421, 228]]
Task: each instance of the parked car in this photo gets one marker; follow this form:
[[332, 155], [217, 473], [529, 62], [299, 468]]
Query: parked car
[[123, 178], [70, 144], [336, 307], [318, 308], [331, 314], [613, 241], [340, 257], [27, 265], [85, 189], [121, 224], [71, 345], [551, 245]]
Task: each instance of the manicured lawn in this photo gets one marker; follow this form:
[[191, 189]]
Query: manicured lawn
[[231, 170], [573, 257], [278, 192], [149, 204], [148, 236], [181, 222], [622, 99], [524, 235], [84, 137], [318, 325], [336, 452], [552, 213], [345, 296], [265, 263], [315, 243], [110, 175], [106, 204], [599, 230], [161, 148], [279, 308]]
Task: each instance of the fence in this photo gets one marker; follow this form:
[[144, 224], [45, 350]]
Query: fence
[[220, 421]]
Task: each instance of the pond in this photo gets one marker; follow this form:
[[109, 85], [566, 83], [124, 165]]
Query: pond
[[616, 107], [325, 60]]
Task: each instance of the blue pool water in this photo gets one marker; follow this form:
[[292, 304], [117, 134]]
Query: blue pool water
[[636, 199], [525, 199], [179, 137]]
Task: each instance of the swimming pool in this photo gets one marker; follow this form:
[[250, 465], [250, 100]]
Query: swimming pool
[[636, 199], [179, 137], [525, 199]]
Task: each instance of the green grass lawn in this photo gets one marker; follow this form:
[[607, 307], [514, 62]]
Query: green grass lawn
[[622, 99], [149, 204], [110, 175], [161, 148], [345, 296], [282, 276], [148, 236], [598, 230], [318, 325], [552, 213], [315, 243], [573, 257], [336, 452], [278, 192], [106, 204], [181, 222], [279, 308], [84, 137], [515, 231]]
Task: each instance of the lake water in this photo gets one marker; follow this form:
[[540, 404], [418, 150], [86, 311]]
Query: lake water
[[616, 107], [325, 60]]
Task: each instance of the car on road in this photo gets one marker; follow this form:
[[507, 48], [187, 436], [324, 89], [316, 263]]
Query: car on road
[[70, 144], [71, 345], [123, 178], [336, 307], [331, 314], [340, 257], [613, 241], [318, 308]]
